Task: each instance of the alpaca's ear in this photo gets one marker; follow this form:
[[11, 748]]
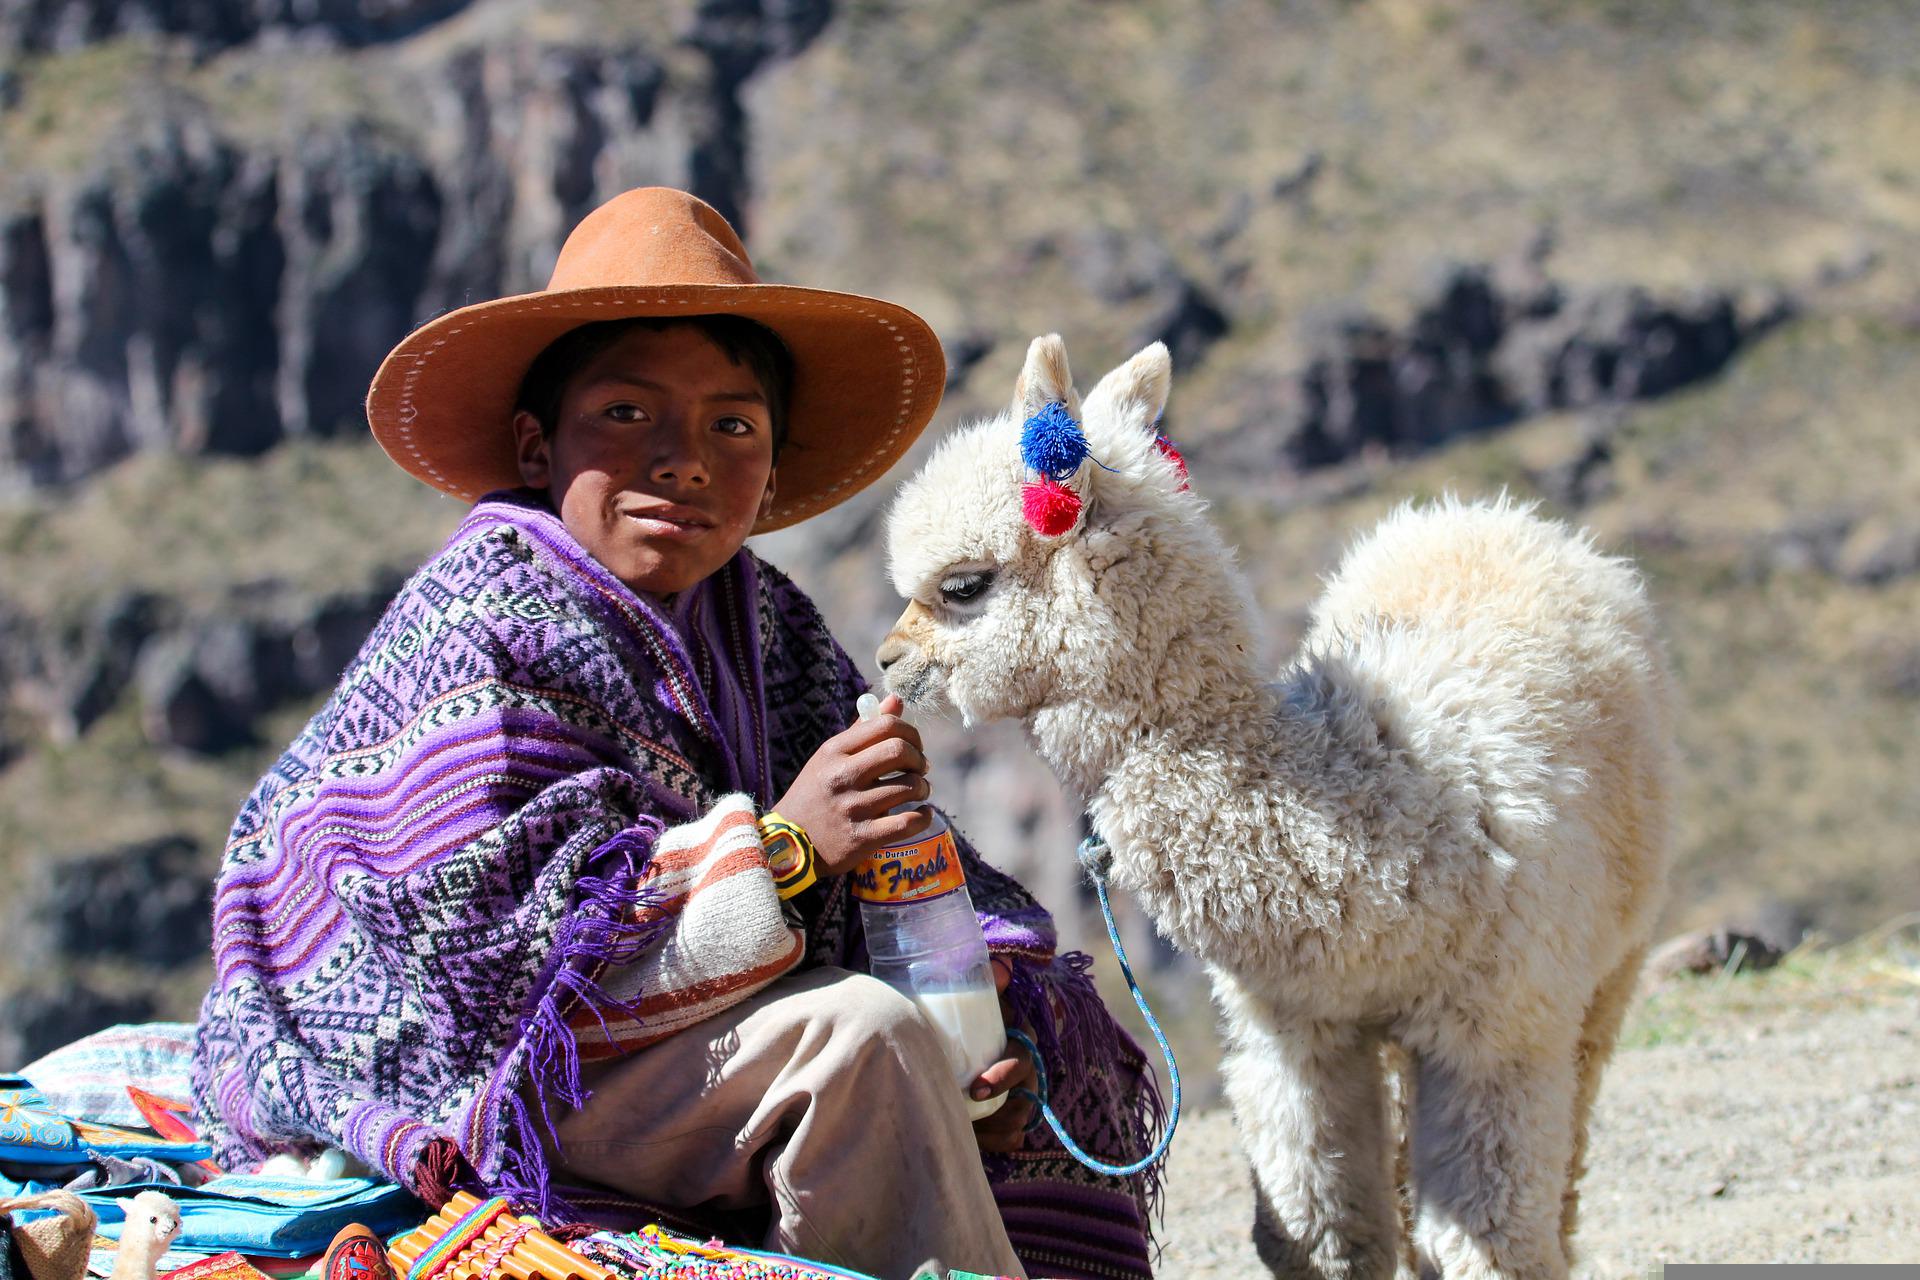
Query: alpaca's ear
[[1123, 420], [1133, 397], [1045, 380]]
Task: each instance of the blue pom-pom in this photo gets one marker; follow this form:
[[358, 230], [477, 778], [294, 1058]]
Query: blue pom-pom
[[1052, 443]]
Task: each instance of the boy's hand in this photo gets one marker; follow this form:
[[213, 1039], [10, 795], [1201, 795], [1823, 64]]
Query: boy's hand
[[1005, 1129], [840, 801]]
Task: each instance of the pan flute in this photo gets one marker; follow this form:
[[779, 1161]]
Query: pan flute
[[472, 1239]]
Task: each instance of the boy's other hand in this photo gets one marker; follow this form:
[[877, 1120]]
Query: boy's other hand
[[1006, 1129], [841, 800]]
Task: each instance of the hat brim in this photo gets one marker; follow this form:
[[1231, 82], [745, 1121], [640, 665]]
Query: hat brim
[[868, 376]]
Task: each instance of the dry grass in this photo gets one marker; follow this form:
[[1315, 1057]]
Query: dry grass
[[1879, 967], [324, 517]]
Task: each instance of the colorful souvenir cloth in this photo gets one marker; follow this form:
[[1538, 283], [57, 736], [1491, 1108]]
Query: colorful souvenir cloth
[[277, 1217], [219, 1266], [655, 1251], [32, 1131], [29, 1185], [89, 1079], [105, 1252], [441, 868], [280, 1268]]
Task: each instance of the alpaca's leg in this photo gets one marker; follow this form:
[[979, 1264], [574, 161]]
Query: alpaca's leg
[[1399, 1068], [1311, 1110], [1596, 1046], [1492, 1144]]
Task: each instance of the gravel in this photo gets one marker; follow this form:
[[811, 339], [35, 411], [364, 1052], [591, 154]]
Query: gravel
[[1788, 1136]]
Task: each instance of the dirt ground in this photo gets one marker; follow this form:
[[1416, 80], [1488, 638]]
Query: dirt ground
[[1782, 1133]]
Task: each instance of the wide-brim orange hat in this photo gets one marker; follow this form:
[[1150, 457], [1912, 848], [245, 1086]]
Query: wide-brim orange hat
[[867, 374]]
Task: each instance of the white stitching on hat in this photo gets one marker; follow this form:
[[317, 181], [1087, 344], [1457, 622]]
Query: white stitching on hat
[[899, 422], [409, 412]]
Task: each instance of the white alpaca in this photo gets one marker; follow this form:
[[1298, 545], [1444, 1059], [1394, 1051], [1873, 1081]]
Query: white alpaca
[[152, 1222], [1440, 839]]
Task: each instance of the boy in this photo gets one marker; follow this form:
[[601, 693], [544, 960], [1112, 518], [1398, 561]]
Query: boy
[[508, 892]]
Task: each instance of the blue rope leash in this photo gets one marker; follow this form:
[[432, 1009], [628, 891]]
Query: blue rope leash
[[1097, 858]]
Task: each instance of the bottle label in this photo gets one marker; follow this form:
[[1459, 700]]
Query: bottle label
[[926, 868]]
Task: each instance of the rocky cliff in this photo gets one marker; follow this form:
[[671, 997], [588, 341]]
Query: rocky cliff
[[213, 257]]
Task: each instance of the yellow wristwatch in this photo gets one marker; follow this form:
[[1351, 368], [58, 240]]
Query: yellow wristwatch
[[790, 855]]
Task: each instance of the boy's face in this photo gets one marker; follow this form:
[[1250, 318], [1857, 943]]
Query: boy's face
[[661, 457]]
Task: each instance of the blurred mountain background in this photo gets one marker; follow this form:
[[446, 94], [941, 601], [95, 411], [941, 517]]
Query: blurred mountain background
[[1653, 262]]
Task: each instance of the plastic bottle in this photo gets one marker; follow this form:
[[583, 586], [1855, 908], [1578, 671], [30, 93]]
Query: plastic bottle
[[924, 941]]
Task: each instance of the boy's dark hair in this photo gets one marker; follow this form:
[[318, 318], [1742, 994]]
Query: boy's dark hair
[[744, 342]]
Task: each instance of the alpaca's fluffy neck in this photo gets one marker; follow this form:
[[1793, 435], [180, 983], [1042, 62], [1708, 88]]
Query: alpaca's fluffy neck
[[1177, 669], [1192, 752], [1199, 689], [139, 1254]]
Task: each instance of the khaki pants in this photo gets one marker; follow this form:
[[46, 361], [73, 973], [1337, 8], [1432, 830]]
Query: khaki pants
[[826, 1096]]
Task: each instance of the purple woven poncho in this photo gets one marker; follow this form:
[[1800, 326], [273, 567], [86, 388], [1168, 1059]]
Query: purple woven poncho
[[419, 891]]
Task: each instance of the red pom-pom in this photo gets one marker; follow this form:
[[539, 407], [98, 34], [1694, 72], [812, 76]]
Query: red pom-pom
[[1050, 507], [1172, 455]]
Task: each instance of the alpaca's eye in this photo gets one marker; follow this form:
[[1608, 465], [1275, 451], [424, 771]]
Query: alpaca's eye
[[959, 588]]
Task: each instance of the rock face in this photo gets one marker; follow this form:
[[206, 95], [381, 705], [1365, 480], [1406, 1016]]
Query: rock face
[[203, 687], [1478, 354], [148, 897], [98, 936], [198, 287], [39, 1018], [38, 26], [202, 678], [198, 300]]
